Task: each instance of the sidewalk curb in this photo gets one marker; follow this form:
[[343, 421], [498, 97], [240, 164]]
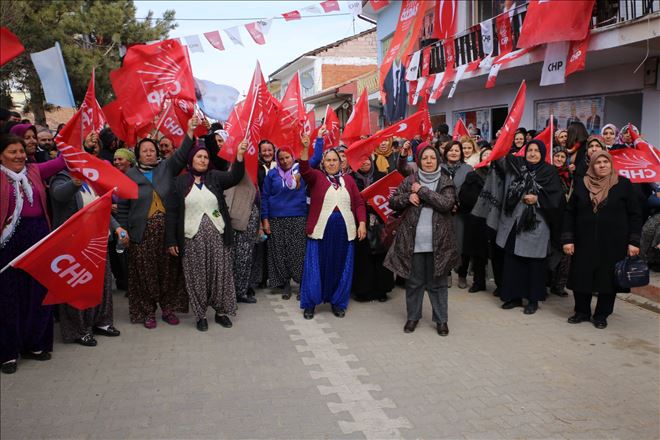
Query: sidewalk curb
[[640, 301]]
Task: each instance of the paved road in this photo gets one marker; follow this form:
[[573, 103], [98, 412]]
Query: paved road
[[499, 374]]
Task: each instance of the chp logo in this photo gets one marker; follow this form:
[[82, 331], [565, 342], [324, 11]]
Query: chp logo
[[78, 270]]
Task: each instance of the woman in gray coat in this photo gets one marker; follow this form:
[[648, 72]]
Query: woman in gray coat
[[424, 248]]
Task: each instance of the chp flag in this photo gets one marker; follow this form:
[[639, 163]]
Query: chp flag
[[377, 195], [71, 261]]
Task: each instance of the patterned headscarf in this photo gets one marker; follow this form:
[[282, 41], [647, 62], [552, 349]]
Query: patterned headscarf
[[288, 176]]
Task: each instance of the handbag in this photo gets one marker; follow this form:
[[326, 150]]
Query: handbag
[[631, 272], [381, 235]]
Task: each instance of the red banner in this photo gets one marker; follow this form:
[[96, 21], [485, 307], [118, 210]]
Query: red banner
[[577, 56], [460, 130], [417, 124], [215, 39], [293, 15], [555, 20], [70, 261], [377, 195], [377, 5], [10, 46], [445, 17], [358, 123], [292, 118], [330, 5], [91, 117], [508, 131], [637, 165]]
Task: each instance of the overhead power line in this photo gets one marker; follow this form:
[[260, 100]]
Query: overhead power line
[[245, 18]]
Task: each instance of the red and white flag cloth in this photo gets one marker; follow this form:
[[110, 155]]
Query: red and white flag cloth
[[10, 46], [412, 72], [487, 36], [426, 61], [577, 56], [70, 261], [358, 123], [640, 166], [417, 124], [420, 87], [215, 39], [258, 30], [641, 144], [292, 117], [234, 35], [378, 194], [501, 61], [330, 5], [445, 18], [460, 71], [377, 5], [547, 21], [554, 63], [460, 130], [546, 136], [194, 43], [504, 33], [440, 83], [91, 117], [312, 9], [450, 53], [508, 131], [332, 134], [293, 15]]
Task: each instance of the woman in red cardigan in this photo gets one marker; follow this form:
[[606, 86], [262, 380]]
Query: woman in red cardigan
[[335, 209]]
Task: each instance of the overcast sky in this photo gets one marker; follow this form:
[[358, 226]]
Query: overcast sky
[[285, 42]]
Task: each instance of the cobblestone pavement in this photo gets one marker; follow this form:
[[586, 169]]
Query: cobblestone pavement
[[499, 374]]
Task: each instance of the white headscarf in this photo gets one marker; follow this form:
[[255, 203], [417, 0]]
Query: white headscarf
[[20, 182]]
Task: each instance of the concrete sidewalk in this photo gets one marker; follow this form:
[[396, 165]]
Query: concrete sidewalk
[[499, 374]]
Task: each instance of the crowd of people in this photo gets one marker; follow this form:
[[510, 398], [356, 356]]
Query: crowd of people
[[201, 233]]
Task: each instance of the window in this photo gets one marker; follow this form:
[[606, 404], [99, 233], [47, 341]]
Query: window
[[482, 10]]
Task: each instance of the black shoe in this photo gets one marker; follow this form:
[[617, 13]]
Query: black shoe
[[298, 297], [250, 292], [202, 325], [476, 288], [511, 304], [308, 313], [223, 320], [43, 356], [462, 283], [410, 326], [286, 294], [578, 318], [531, 308], [443, 329], [9, 367], [338, 312], [496, 292], [600, 323], [246, 299], [110, 331], [86, 341], [383, 298]]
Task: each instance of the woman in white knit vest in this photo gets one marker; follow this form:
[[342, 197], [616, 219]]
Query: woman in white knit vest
[[198, 228]]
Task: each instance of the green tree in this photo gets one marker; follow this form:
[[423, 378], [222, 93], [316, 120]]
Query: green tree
[[90, 33]]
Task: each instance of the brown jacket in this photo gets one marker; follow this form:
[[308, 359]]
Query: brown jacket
[[442, 200], [240, 199]]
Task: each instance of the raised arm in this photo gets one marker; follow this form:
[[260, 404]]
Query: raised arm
[[230, 178], [50, 168], [178, 161]]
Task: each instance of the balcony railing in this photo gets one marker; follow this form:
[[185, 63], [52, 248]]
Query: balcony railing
[[612, 12]]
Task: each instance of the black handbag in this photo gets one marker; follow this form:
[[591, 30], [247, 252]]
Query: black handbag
[[631, 272]]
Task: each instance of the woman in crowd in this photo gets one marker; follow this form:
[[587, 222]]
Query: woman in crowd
[[165, 147], [609, 134], [123, 160], [531, 134], [624, 139], [458, 170], [576, 143], [28, 133], [26, 326], [518, 141], [532, 201], [335, 207], [561, 136], [602, 224], [424, 248], [154, 276], [198, 229], [69, 195], [371, 280], [266, 160], [595, 143], [470, 151], [283, 216], [475, 236], [384, 157]]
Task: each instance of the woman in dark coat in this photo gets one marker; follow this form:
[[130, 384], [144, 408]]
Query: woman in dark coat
[[602, 224], [424, 248], [475, 234], [371, 280]]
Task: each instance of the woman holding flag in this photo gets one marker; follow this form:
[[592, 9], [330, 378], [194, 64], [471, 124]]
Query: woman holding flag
[[26, 326], [154, 276]]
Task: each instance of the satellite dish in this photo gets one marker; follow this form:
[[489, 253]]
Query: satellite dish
[[306, 80]]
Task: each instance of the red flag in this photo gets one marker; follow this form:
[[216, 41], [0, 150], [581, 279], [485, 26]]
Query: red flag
[[548, 21], [70, 261], [426, 61], [101, 175], [91, 117], [331, 136], [450, 54], [501, 61], [330, 5], [641, 144], [406, 34], [358, 123], [255, 30], [293, 15], [236, 129], [508, 131], [377, 5], [215, 39], [408, 128], [150, 74], [377, 195], [292, 117], [10, 46], [504, 33], [637, 165], [448, 76], [169, 124], [460, 130], [577, 56], [547, 137], [412, 90], [445, 17], [185, 110]]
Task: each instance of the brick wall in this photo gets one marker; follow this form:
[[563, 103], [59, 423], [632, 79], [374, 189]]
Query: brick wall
[[334, 74], [364, 46]]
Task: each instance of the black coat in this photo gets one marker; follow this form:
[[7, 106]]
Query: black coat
[[475, 234], [216, 181], [601, 239]]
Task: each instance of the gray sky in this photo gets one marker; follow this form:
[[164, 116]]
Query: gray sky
[[234, 65]]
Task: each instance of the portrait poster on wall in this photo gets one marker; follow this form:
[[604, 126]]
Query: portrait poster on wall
[[588, 110]]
